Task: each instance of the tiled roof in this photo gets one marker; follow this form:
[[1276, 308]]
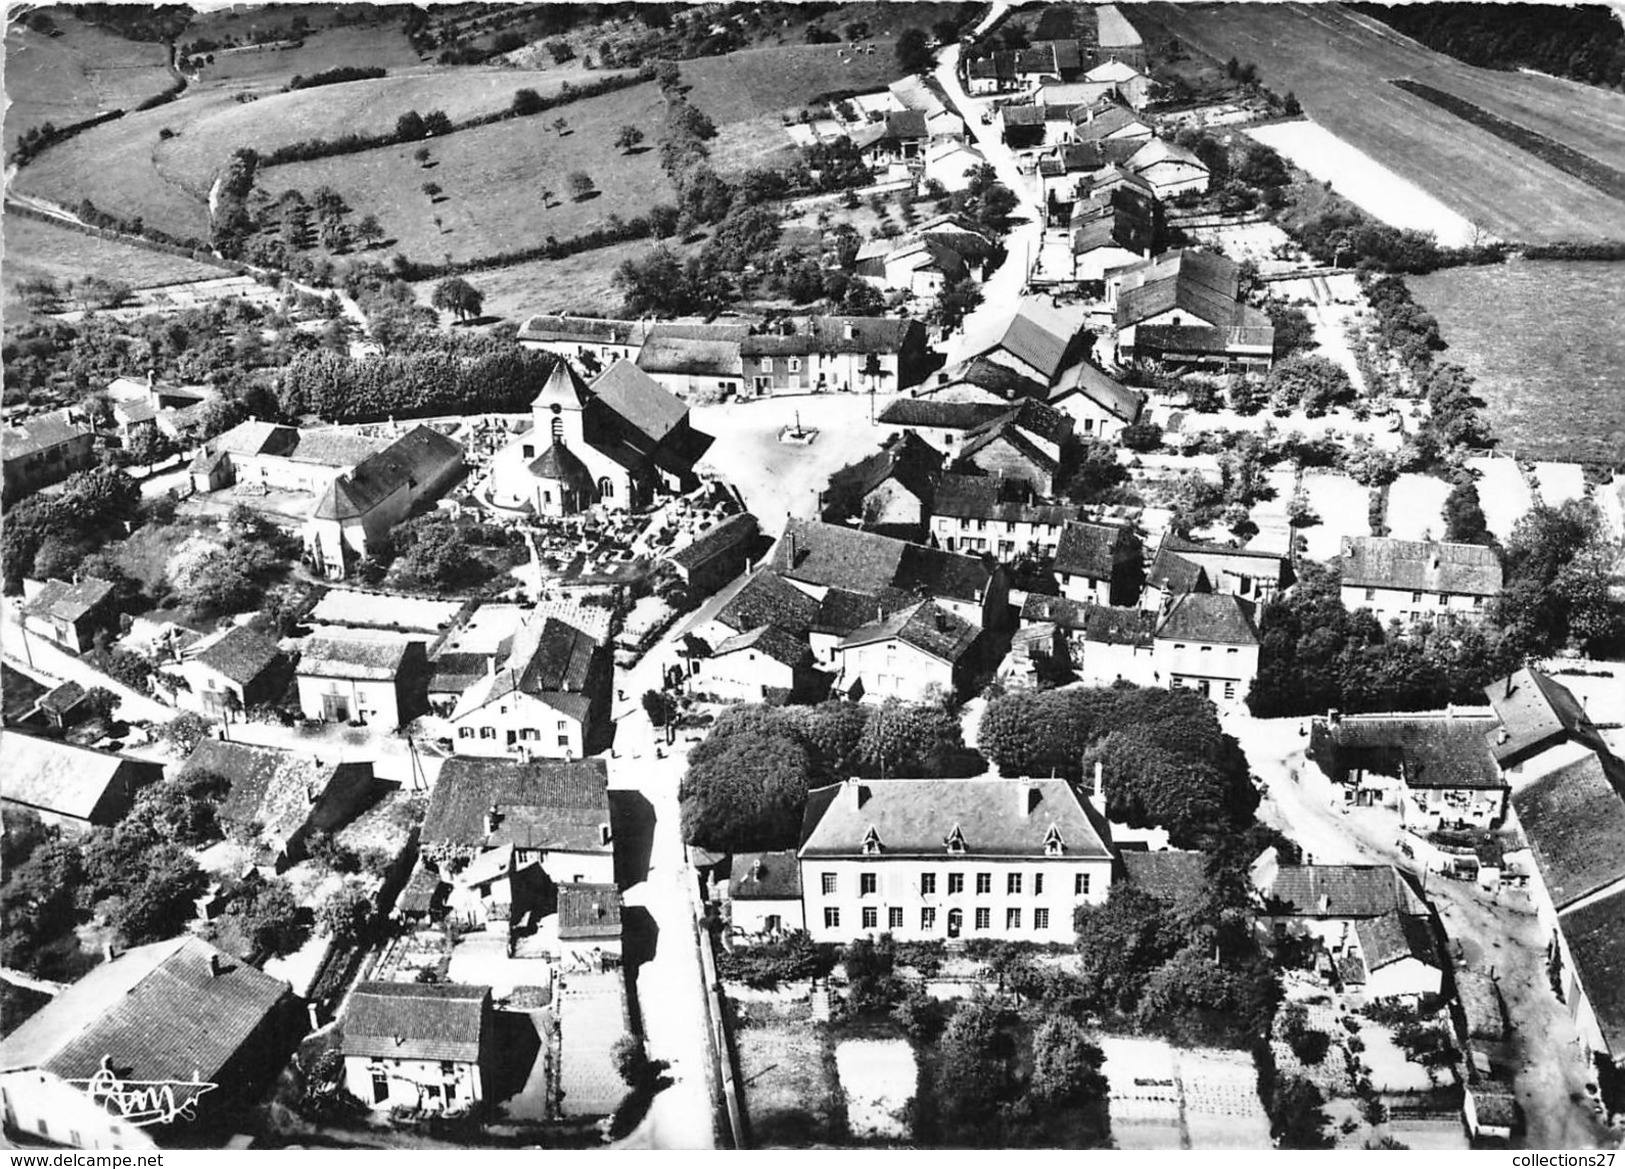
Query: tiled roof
[[782, 645], [1534, 711], [1596, 937], [156, 1012], [68, 780], [840, 612], [570, 799], [42, 432], [906, 459], [668, 351], [271, 787], [550, 659], [768, 599], [333, 446], [241, 654], [1200, 283], [1092, 550], [1173, 574], [589, 330], [924, 412], [987, 497], [423, 889], [1035, 418], [764, 876], [340, 657], [1113, 70], [926, 626], [996, 377], [906, 125], [870, 564], [1021, 115], [1217, 559], [1119, 229], [1108, 121], [1414, 566], [730, 533], [917, 817], [1169, 874], [560, 465], [1160, 150], [639, 399], [1006, 430], [414, 1020], [1429, 752], [1214, 617], [930, 571], [589, 911], [59, 700], [419, 457], [1206, 339], [878, 335], [1394, 937], [68, 602], [1340, 891], [1031, 331], [1574, 820]]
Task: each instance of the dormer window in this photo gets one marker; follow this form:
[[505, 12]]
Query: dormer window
[[956, 841], [871, 842], [1053, 845]]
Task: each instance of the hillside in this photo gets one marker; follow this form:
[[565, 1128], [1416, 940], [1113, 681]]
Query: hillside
[[76, 74]]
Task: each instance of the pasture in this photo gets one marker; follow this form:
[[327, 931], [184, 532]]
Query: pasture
[[34, 249], [492, 179], [81, 73], [379, 41], [1339, 65]]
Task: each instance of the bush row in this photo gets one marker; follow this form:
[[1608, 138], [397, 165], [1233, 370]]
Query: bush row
[[638, 227], [337, 76]]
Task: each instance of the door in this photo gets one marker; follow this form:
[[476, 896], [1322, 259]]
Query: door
[[336, 708], [956, 922], [764, 385], [380, 1087]]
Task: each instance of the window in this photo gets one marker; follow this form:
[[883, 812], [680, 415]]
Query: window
[[488, 732], [528, 451], [894, 919], [832, 919], [564, 740], [1040, 919], [606, 489], [1371, 594], [1038, 884], [447, 1068], [866, 884], [956, 883], [928, 918], [1229, 689], [465, 732], [767, 365], [563, 726], [1416, 598], [928, 884], [984, 883], [1478, 602], [871, 917], [1207, 649], [1444, 599], [1080, 884], [1012, 919], [828, 880], [1012, 883], [558, 428], [794, 364], [529, 733], [984, 919], [1232, 650]]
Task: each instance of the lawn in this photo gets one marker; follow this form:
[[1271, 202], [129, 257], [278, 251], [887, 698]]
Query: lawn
[[879, 1078], [34, 249], [792, 1096], [83, 72], [493, 177], [1416, 507], [1339, 65]]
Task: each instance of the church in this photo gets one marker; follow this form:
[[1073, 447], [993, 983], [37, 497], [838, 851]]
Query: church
[[616, 443]]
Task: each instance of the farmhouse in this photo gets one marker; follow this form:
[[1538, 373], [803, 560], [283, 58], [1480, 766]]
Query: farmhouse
[[764, 894], [417, 1045], [1132, 86], [1099, 563], [902, 137], [1170, 170], [765, 663], [984, 514], [593, 345], [1031, 339], [1099, 405], [1021, 127], [991, 74], [1105, 644], [70, 615], [551, 699], [176, 1012], [1409, 581], [930, 859], [1324, 902], [717, 555], [1072, 95], [273, 457], [1097, 122], [283, 797], [379, 681], [687, 359], [1023, 445], [1398, 956], [951, 162], [231, 671], [1441, 766], [891, 490], [70, 786], [361, 505], [45, 449], [920, 267], [1187, 289], [910, 654], [812, 354], [1188, 566], [1541, 725], [1209, 642], [941, 424], [589, 926], [1115, 238]]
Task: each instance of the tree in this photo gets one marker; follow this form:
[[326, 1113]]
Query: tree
[[1122, 943], [627, 138], [437, 123], [955, 302], [432, 190], [659, 706], [456, 295], [1294, 332], [1066, 1064], [345, 913], [1142, 436], [975, 1074], [409, 127], [1297, 1116], [580, 185], [150, 445], [185, 731], [164, 900], [1464, 515], [1315, 383], [560, 125], [911, 739], [527, 102], [369, 231], [913, 51], [421, 156], [745, 791]]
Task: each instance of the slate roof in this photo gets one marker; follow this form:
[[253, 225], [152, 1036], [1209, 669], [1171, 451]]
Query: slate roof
[[924, 412], [339, 657], [1340, 891], [1428, 752], [68, 602], [1215, 617], [1169, 874], [559, 464], [729, 534], [1574, 820], [1534, 710], [43, 432], [639, 399], [906, 459], [1596, 938], [587, 912], [272, 787], [157, 1012], [57, 777], [241, 655], [782, 645], [1415, 566], [569, 799], [987, 497], [1200, 283], [415, 1020], [1092, 550], [916, 817], [589, 330], [995, 377], [926, 626], [1393, 937], [1031, 331], [765, 876]]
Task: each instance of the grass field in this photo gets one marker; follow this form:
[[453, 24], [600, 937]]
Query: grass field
[[35, 249], [1339, 65], [83, 72], [493, 178], [384, 45]]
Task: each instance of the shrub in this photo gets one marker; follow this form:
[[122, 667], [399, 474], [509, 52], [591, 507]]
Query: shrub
[[791, 959]]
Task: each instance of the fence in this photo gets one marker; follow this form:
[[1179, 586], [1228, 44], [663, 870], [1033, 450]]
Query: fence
[[717, 1036]]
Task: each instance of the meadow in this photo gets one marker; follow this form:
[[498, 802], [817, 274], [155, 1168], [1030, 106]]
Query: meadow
[[1543, 339], [1339, 65], [34, 249], [81, 73]]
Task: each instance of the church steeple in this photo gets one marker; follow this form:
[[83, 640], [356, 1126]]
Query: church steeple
[[557, 409]]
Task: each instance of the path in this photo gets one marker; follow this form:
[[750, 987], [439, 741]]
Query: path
[[36, 655], [1499, 932]]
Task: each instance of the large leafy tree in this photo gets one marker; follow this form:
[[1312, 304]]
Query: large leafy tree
[[1121, 942], [1066, 1064], [745, 791], [456, 295]]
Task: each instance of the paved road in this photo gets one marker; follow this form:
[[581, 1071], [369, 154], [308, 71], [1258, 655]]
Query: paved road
[[30, 649]]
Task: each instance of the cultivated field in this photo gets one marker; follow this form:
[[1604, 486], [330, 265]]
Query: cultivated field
[[493, 177], [36, 249], [1339, 65], [84, 72]]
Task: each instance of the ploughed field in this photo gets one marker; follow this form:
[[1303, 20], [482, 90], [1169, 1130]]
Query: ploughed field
[[1490, 156]]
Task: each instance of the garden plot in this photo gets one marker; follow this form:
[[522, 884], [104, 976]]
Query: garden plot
[[878, 1077], [1416, 507], [1222, 1109], [1364, 181], [1344, 510], [1502, 492], [1559, 482], [1143, 1081], [1270, 515]]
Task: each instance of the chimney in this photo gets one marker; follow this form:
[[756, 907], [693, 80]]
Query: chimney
[[310, 793], [849, 330], [942, 622], [315, 1015], [758, 870], [109, 951], [1100, 787], [492, 819], [1030, 796], [1334, 716], [490, 665], [598, 909], [214, 966], [791, 537], [603, 835], [1503, 737], [857, 793]]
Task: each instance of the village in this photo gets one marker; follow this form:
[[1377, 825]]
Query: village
[[1095, 682]]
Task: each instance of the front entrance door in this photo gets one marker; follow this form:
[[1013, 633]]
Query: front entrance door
[[956, 922]]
